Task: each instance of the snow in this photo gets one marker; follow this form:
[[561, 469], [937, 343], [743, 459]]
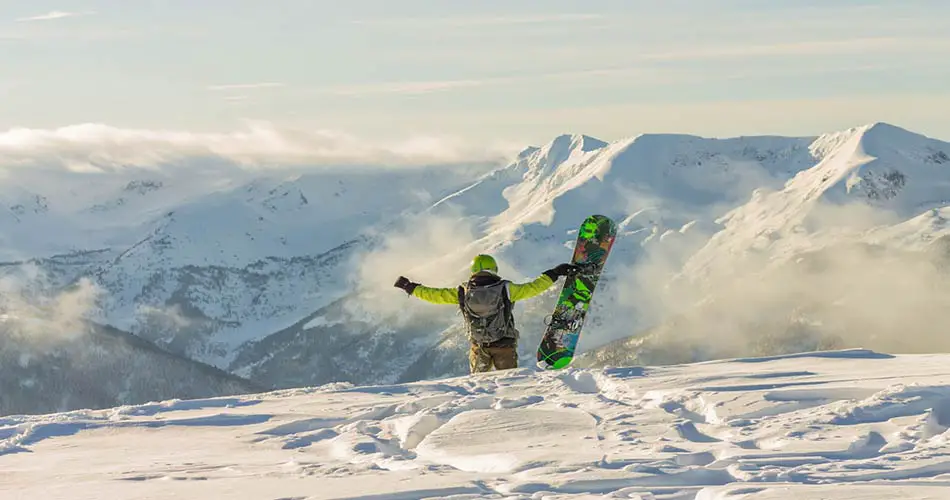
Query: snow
[[896, 174], [820, 425]]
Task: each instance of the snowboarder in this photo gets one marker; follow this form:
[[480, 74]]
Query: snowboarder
[[486, 301]]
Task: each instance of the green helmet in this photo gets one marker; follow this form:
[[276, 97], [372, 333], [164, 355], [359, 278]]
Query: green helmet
[[484, 262]]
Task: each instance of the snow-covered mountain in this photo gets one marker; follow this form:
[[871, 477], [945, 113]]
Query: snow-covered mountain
[[284, 276], [194, 262], [896, 173], [853, 251], [835, 425], [526, 214]]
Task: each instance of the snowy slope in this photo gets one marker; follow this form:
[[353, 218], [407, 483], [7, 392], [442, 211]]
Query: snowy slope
[[851, 252], [825, 425], [54, 211], [488, 196], [888, 173]]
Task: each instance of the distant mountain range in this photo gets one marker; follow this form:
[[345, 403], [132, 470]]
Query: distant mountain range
[[226, 280]]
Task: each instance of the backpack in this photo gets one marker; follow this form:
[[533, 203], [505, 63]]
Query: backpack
[[487, 310]]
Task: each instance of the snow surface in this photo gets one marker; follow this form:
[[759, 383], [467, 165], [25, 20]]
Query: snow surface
[[824, 425]]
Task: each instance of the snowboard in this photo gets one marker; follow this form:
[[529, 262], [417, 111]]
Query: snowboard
[[594, 241]]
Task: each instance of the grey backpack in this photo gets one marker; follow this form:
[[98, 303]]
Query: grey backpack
[[487, 311]]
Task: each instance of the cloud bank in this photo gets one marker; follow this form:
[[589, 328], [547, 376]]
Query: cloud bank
[[97, 147]]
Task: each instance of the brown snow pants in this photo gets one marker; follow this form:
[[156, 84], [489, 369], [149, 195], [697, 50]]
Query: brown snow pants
[[483, 359]]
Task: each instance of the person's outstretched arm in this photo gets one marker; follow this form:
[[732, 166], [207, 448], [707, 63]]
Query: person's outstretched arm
[[522, 291], [428, 294]]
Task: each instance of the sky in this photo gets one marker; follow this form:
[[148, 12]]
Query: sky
[[489, 73]]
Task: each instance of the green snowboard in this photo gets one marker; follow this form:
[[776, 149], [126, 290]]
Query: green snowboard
[[594, 240]]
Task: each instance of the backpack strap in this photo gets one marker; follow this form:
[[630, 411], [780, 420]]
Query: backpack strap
[[509, 305]]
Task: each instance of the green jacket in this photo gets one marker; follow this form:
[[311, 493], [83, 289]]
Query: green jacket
[[516, 291]]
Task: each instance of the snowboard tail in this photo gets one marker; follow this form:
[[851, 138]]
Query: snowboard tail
[[595, 238]]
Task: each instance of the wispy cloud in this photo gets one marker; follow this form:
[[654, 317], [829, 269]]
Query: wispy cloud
[[95, 147], [417, 87], [592, 52], [245, 86], [56, 14], [432, 86], [483, 20], [635, 74], [818, 47]]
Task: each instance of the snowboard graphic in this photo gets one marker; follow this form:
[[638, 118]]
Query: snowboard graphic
[[594, 240]]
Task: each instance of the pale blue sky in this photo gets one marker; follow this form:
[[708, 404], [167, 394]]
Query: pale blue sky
[[516, 70]]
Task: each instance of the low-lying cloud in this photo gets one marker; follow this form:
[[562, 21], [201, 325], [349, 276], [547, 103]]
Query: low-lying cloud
[[830, 288], [434, 250], [43, 314], [98, 147]]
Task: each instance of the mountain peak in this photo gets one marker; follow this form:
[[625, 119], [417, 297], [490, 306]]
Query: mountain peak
[[575, 142], [563, 147], [873, 139], [877, 133], [526, 152]]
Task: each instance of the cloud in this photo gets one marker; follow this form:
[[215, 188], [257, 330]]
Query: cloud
[[432, 86], [97, 147], [843, 46], [482, 21], [36, 308], [433, 249], [418, 87], [638, 69], [830, 287], [245, 86], [56, 14]]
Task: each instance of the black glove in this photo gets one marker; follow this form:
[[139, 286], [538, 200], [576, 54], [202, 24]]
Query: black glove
[[404, 284], [561, 270]]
